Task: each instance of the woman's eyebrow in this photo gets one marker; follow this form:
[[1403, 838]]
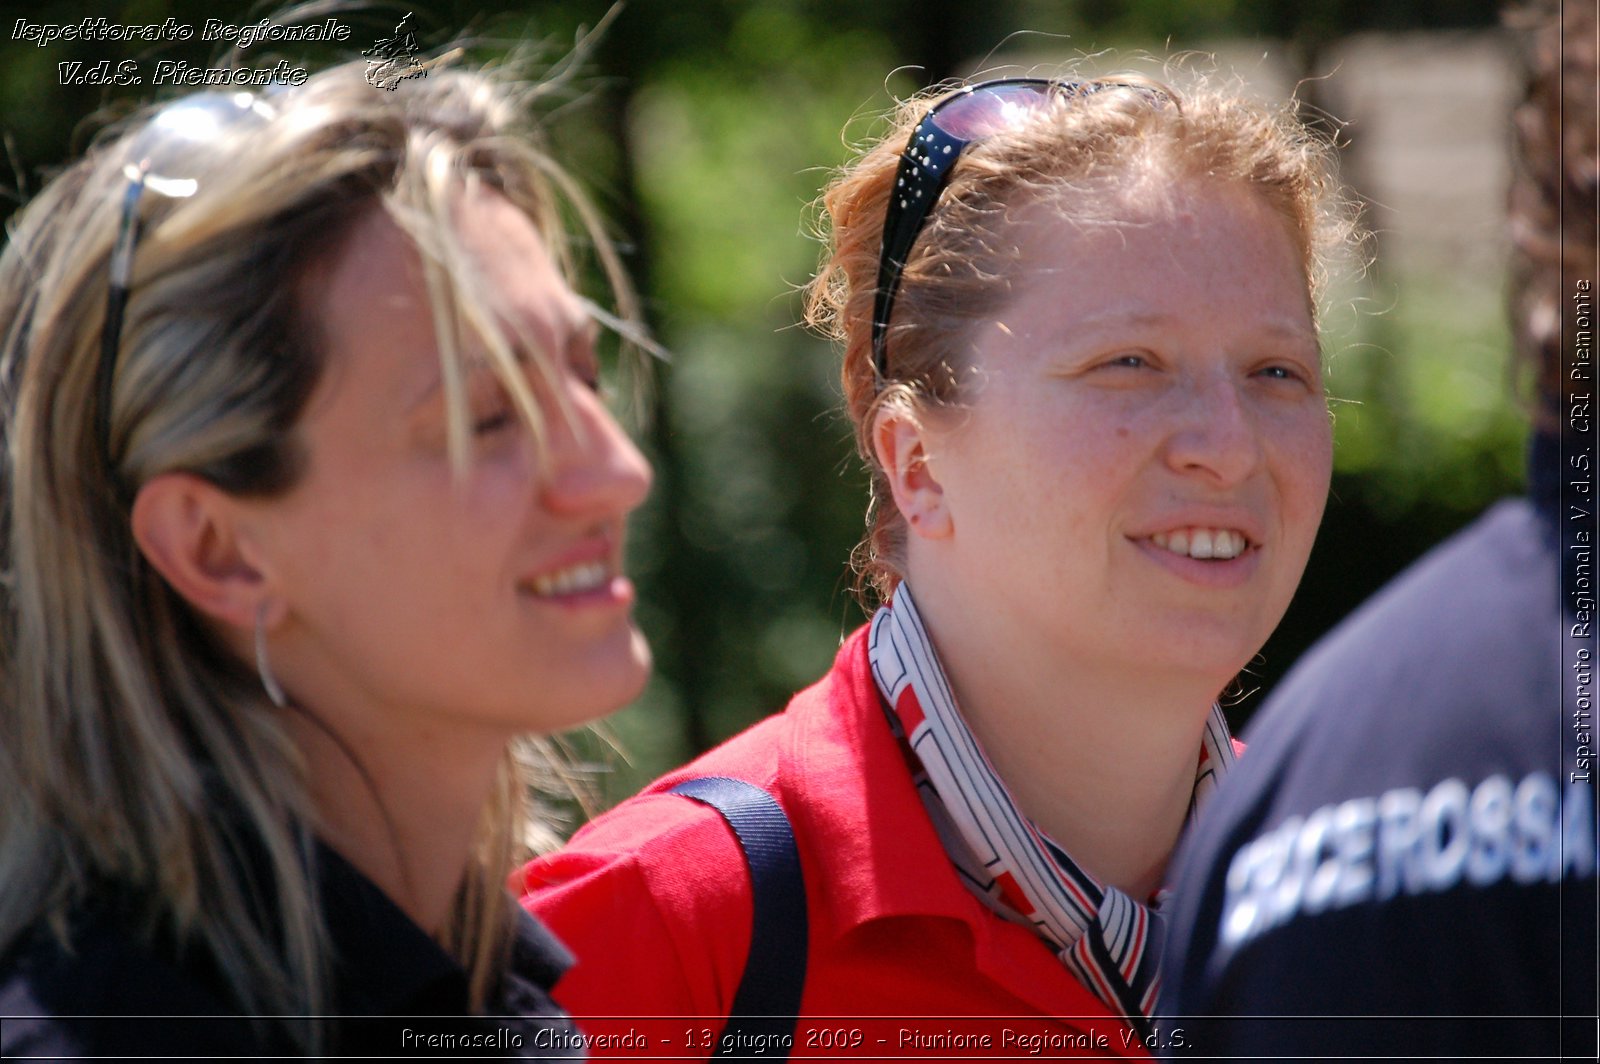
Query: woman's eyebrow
[[1107, 320], [1134, 319], [1292, 331], [573, 334], [535, 334], [469, 371]]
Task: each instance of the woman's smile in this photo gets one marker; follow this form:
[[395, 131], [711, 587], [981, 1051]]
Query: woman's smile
[[1234, 570], [1205, 544]]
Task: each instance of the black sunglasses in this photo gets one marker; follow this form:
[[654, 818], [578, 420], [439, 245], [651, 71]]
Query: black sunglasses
[[970, 114], [153, 153]]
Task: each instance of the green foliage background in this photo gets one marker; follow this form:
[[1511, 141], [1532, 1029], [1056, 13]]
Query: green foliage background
[[704, 128]]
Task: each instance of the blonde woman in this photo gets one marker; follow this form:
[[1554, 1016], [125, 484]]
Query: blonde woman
[[312, 508], [1082, 361]]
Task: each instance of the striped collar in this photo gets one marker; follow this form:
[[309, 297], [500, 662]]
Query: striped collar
[[1106, 939]]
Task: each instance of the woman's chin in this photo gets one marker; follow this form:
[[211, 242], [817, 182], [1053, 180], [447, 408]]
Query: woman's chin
[[1215, 655], [619, 681]]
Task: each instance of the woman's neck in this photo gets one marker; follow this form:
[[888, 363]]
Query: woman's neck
[[407, 814], [1101, 756]]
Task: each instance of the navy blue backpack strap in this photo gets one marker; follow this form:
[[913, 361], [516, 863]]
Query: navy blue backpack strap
[[767, 1003]]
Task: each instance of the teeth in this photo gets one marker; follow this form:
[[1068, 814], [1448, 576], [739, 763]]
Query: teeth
[[584, 577], [1202, 543]]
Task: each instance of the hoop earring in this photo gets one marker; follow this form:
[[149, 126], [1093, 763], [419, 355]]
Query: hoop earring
[[269, 682]]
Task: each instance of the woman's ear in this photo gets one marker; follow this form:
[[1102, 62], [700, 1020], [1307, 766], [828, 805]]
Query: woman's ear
[[904, 451], [195, 535]]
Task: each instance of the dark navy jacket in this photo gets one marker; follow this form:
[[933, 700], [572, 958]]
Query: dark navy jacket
[[1412, 832], [397, 994]]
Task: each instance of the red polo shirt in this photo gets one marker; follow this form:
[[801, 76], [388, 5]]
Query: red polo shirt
[[654, 898]]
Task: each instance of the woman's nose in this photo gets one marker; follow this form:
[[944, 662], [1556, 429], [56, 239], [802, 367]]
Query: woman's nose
[[1216, 436], [593, 469]]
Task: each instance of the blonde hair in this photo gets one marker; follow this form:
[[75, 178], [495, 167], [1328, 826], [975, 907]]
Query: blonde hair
[[1071, 153], [137, 756]]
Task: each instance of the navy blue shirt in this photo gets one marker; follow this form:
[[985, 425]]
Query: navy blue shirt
[[396, 993], [1411, 833]]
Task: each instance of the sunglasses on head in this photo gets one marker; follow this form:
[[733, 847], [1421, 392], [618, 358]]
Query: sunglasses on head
[[968, 115], [156, 155]]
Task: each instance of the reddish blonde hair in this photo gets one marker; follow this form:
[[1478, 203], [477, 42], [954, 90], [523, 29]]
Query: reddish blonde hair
[[1072, 153], [1555, 164]]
